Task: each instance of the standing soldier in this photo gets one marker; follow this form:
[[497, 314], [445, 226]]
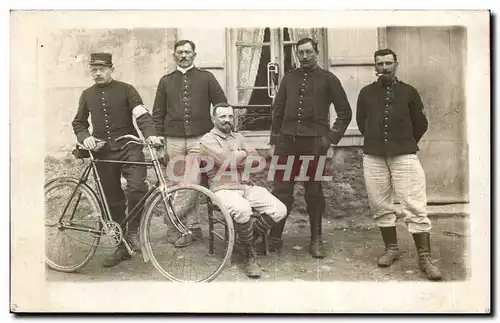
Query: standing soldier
[[112, 105], [390, 116], [300, 127], [181, 113]]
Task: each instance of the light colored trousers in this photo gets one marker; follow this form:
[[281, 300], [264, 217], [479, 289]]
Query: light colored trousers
[[240, 203], [182, 155], [404, 176]]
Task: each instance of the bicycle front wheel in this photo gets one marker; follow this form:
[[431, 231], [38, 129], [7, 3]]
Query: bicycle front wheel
[[72, 224], [210, 244]]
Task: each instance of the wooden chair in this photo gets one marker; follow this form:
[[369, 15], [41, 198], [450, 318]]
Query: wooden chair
[[212, 221]]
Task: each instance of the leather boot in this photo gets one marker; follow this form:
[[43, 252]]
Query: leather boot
[[262, 227], [172, 234], [263, 224], [121, 253], [275, 235], [174, 237], [184, 241], [251, 267], [134, 241], [250, 264], [422, 242], [391, 254], [316, 247]]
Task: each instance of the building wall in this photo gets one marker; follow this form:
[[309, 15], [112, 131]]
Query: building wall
[[141, 57]]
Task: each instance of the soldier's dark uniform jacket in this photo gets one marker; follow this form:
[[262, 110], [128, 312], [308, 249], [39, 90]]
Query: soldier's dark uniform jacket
[[182, 103], [300, 126], [110, 107], [391, 118], [302, 105]]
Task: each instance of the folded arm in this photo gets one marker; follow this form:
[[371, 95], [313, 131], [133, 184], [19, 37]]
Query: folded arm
[[209, 146]]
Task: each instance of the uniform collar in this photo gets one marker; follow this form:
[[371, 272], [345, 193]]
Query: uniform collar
[[394, 82], [221, 134], [309, 69], [184, 70], [105, 85]]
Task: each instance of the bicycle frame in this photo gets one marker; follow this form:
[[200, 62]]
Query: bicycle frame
[[161, 185]]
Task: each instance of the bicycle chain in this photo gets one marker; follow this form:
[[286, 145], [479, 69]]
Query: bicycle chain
[[115, 227]]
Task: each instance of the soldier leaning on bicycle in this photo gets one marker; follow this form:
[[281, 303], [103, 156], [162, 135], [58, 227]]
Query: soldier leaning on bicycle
[[112, 105]]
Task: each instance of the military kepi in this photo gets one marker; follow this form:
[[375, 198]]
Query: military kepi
[[103, 59]]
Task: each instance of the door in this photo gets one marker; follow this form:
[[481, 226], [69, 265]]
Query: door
[[432, 59], [257, 60]]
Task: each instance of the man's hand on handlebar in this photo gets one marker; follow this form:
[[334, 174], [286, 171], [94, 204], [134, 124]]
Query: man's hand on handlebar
[[155, 141], [158, 143], [89, 143], [92, 143], [162, 156]]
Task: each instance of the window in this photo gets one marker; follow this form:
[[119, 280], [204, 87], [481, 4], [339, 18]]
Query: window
[[253, 54]]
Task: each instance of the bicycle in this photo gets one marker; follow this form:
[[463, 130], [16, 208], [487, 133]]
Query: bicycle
[[86, 213]]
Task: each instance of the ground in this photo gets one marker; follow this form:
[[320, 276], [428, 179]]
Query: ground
[[351, 256], [352, 242]]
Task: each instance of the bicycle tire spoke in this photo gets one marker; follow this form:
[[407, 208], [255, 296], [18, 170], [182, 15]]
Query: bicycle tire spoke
[[63, 245], [62, 242], [51, 250], [192, 262], [67, 254], [72, 243], [70, 247]]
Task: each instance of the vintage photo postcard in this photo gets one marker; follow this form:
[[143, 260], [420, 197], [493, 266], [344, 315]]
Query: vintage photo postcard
[[250, 161]]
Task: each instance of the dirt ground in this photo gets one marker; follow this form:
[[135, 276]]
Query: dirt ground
[[352, 251]]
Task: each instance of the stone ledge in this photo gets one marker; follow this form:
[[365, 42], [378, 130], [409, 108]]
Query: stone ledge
[[443, 210]]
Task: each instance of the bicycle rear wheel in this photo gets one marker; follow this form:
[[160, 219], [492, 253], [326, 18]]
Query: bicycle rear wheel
[[205, 258], [72, 224]]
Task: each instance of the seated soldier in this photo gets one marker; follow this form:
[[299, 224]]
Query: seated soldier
[[227, 156]]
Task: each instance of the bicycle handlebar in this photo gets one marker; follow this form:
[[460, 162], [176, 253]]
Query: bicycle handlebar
[[132, 137], [133, 140]]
